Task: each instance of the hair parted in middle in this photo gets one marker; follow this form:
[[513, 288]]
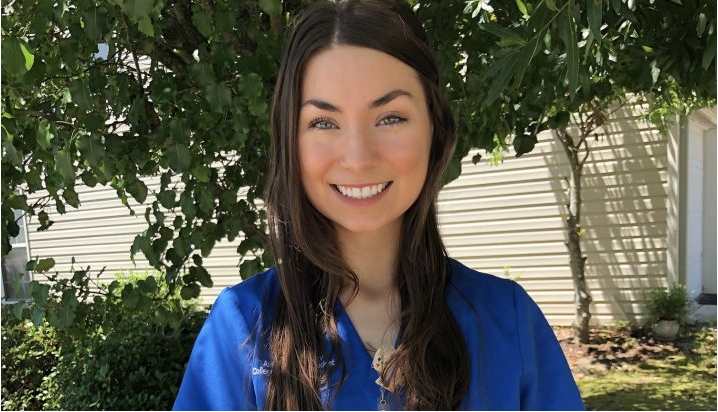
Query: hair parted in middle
[[432, 355]]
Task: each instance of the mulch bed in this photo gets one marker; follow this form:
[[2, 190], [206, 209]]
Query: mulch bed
[[614, 348]]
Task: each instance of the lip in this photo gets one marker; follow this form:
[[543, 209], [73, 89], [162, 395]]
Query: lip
[[361, 202]]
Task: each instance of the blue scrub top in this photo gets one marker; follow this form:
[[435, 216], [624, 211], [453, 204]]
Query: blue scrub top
[[516, 361]]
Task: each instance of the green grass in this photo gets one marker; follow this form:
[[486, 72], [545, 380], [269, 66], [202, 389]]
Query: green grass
[[685, 380]]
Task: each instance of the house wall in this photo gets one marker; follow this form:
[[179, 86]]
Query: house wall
[[505, 220], [709, 211]]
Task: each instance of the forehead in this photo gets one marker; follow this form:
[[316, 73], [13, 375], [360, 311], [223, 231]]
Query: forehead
[[350, 75]]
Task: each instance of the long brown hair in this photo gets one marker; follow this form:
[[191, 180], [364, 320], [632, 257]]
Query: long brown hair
[[432, 355]]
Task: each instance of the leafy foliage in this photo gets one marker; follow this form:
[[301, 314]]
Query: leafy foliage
[[667, 304], [109, 92], [29, 354], [118, 353]]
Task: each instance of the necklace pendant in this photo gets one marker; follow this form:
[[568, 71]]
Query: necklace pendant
[[382, 404]]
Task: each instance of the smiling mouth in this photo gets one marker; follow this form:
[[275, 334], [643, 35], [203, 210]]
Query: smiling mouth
[[362, 192]]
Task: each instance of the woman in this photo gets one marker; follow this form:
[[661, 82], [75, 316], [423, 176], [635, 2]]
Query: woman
[[365, 309]]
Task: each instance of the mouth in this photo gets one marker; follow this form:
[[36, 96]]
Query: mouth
[[362, 191]]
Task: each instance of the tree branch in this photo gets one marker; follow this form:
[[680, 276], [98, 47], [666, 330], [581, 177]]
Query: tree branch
[[36, 113], [132, 52]]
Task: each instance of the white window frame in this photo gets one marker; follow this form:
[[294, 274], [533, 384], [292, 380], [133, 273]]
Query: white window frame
[[26, 244]]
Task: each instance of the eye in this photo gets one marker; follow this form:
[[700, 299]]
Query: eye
[[391, 120], [322, 123]]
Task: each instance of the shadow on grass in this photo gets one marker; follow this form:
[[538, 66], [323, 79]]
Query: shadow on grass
[[652, 397]]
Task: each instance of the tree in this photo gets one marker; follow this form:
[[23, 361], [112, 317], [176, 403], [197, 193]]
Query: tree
[[552, 59], [109, 92]]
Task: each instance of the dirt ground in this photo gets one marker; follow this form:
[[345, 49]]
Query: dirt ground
[[614, 348]]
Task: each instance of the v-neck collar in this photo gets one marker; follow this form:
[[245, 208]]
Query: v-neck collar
[[362, 376], [352, 334]]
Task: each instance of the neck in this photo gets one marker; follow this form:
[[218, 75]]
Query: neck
[[373, 257]]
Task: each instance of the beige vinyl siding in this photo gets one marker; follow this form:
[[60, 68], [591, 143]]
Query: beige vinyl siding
[[508, 219], [101, 231], [503, 219]]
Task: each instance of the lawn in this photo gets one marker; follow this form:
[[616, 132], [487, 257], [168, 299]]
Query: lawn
[[627, 369]]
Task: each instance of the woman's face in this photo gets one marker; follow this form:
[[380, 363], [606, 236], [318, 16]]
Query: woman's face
[[364, 137]]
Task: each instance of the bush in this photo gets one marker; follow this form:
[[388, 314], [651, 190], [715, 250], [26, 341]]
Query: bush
[[128, 353], [29, 354], [667, 304]]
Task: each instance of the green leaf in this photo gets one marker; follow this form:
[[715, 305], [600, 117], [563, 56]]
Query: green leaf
[[145, 26], [18, 202], [595, 14], [34, 182], [18, 308], [92, 149], [218, 95], [452, 172], [44, 220], [502, 32], [13, 57], [257, 107], [43, 265], [179, 157], [551, 4], [205, 200], [504, 68], [80, 93], [66, 313], [190, 291], [524, 144], [95, 23], [655, 72], [201, 173], [527, 54], [39, 292], [189, 210], [203, 74], [568, 30], [38, 316], [180, 247], [249, 268], [138, 190], [710, 53], [44, 134], [63, 166], [137, 9], [701, 25], [201, 274], [167, 198], [202, 20], [29, 57], [250, 85], [70, 196], [522, 7], [271, 7], [11, 154]]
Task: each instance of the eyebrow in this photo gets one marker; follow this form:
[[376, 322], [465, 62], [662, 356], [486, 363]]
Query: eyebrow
[[324, 105]]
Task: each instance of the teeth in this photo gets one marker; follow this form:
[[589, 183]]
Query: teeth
[[363, 193]]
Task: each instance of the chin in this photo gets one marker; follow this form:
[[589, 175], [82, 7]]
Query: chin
[[364, 226]]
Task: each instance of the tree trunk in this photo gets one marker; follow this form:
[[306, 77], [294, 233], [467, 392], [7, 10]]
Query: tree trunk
[[577, 260]]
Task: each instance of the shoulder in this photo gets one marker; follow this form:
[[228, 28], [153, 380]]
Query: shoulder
[[479, 286], [253, 299], [498, 301]]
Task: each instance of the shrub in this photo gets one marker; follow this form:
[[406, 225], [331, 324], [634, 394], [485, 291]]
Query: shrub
[[667, 304], [126, 351], [133, 365], [29, 354]]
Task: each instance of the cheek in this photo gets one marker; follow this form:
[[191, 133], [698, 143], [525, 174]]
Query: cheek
[[412, 155], [313, 162]]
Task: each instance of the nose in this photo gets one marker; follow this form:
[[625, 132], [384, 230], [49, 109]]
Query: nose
[[359, 150]]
